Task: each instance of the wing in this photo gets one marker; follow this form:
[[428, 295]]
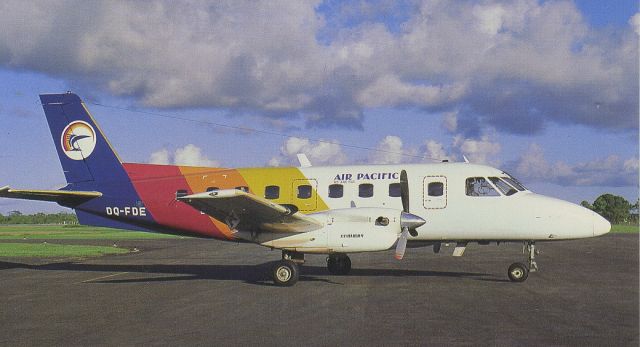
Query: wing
[[63, 197], [245, 211]]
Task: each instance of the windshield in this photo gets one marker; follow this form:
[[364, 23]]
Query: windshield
[[514, 182], [505, 188]]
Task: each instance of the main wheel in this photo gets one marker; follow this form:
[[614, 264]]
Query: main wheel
[[518, 272], [339, 264], [285, 273]]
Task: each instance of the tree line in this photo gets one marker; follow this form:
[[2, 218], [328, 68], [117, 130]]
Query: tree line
[[16, 217], [616, 209]]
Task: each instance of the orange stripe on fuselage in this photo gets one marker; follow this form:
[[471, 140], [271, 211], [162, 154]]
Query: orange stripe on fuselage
[[201, 178]]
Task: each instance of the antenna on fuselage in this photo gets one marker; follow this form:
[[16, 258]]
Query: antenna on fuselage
[[465, 159], [304, 161]]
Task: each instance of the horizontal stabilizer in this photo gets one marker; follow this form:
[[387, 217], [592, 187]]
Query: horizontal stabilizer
[[245, 211], [63, 197]]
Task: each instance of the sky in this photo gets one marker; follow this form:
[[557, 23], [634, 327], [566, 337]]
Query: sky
[[546, 90]]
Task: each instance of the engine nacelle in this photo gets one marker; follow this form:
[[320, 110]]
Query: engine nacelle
[[361, 229], [345, 231]]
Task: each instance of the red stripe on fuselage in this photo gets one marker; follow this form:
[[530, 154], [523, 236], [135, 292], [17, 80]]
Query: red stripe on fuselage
[[157, 185]]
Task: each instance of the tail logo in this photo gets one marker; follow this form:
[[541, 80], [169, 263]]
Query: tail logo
[[78, 140]]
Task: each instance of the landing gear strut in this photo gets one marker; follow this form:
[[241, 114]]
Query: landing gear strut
[[338, 264], [519, 272], [286, 272]]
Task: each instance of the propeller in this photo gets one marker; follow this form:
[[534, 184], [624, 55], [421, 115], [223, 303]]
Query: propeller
[[409, 222]]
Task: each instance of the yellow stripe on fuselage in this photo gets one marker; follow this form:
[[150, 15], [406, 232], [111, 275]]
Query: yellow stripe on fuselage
[[259, 178]]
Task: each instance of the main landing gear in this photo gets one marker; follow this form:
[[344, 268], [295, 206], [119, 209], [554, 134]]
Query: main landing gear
[[338, 264], [519, 272], [286, 272]]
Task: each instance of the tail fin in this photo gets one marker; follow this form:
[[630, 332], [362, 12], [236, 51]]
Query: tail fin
[[90, 165], [86, 156]]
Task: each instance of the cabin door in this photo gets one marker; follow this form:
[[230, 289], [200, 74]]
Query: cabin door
[[435, 192]]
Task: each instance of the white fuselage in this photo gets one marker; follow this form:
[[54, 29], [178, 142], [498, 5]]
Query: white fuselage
[[442, 196]]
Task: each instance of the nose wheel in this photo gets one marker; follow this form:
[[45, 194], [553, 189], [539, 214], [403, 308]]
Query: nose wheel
[[519, 272]]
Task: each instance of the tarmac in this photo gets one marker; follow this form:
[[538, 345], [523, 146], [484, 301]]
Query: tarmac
[[206, 292]]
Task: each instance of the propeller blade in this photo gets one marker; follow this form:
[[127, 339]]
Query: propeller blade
[[404, 191], [402, 244]]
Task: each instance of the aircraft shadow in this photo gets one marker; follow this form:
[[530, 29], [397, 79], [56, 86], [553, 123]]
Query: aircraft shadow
[[253, 274]]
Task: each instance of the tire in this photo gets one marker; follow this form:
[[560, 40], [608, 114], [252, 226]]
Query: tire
[[339, 264], [285, 273], [518, 272]]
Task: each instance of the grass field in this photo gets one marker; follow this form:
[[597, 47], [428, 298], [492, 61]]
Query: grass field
[[619, 228], [49, 250], [74, 232]]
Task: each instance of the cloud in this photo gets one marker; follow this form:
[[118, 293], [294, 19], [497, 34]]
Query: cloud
[[478, 151], [388, 151], [161, 157], [450, 121], [436, 151], [513, 65], [635, 22], [325, 152], [610, 171], [189, 155]]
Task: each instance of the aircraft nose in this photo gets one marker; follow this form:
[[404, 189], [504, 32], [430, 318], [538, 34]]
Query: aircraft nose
[[601, 226]]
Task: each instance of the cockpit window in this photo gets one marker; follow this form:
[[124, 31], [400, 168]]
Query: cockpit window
[[505, 188], [514, 182], [478, 186]]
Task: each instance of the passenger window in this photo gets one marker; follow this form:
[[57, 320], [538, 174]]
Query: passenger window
[[181, 192], [394, 190], [503, 186], [435, 189], [304, 191], [336, 191], [211, 189], [365, 190], [271, 192], [243, 188], [478, 186]]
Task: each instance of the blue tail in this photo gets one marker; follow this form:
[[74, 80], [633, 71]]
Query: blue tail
[[85, 154], [88, 160]]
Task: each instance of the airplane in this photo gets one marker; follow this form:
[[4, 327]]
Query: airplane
[[333, 210]]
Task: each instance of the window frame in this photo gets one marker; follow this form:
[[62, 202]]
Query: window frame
[[488, 185], [270, 195], [336, 185], [394, 185], [360, 191], [298, 192], [429, 189]]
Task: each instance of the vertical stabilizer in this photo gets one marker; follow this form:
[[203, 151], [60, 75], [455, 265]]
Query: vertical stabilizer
[[85, 154]]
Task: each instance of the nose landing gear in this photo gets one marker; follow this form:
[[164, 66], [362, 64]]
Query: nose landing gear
[[519, 272]]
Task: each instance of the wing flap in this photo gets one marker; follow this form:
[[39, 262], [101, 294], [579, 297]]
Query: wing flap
[[63, 197], [244, 211]]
